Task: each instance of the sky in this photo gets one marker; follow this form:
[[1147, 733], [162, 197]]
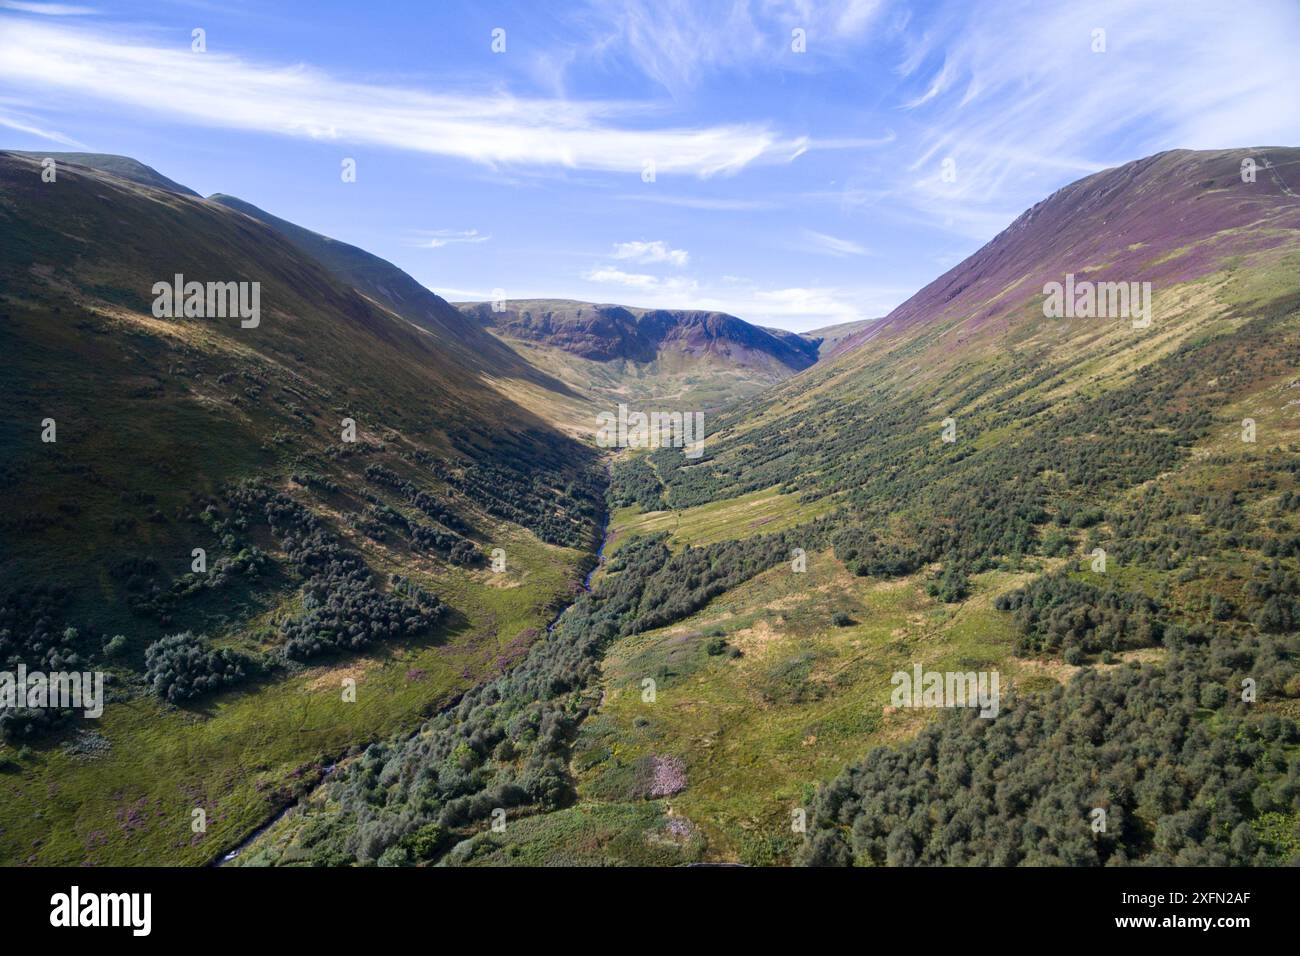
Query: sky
[[798, 164]]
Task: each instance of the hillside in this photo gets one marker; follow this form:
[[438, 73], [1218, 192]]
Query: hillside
[[345, 476], [1078, 505], [679, 358], [123, 167], [384, 283]]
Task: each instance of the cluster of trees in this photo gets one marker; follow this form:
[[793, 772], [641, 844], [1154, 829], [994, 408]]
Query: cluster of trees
[[423, 537], [1276, 594], [342, 607], [31, 634], [1060, 614], [634, 482], [423, 500], [1130, 741], [183, 666], [554, 491]]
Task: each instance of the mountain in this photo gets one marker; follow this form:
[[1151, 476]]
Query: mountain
[[1167, 219], [1103, 514], [1093, 522], [387, 286], [123, 167], [233, 514], [683, 358]]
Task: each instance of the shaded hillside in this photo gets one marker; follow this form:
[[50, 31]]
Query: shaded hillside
[[344, 475], [384, 283]]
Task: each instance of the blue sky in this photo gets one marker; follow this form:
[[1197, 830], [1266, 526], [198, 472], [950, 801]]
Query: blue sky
[[794, 189]]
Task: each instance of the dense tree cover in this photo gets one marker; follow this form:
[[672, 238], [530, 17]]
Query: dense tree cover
[[556, 493], [183, 666], [425, 501], [634, 482], [1058, 613], [505, 744], [1186, 772], [423, 537], [342, 607], [31, 634], [1276, 593]]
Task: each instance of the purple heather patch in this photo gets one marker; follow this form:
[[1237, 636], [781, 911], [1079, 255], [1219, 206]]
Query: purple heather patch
[[669, 777]]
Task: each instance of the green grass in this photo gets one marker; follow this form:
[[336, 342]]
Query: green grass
[[757, 732], [759, 512], [589, 834]]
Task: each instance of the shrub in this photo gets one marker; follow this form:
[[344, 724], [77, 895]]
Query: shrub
[[182, 666]]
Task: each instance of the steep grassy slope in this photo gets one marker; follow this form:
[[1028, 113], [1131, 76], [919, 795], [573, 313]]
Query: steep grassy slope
[[658, 358], [181, 433], [396, 291]]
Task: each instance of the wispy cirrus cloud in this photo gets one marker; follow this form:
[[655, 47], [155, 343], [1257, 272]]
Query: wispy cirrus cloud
[[24, 125], [219, 90], [48, 9], [827, 244], [676, 42], [437, 238]]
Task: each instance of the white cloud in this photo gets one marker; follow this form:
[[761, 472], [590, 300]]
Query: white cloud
[[676, 42], [649, 253], [700, 202], [48, 9], [23, 126], [218, 90], [795, 308], [832, 245], [639, 280], [437, 238]]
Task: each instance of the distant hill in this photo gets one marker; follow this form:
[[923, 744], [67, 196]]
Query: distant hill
[[681, 357], [827, 338]]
